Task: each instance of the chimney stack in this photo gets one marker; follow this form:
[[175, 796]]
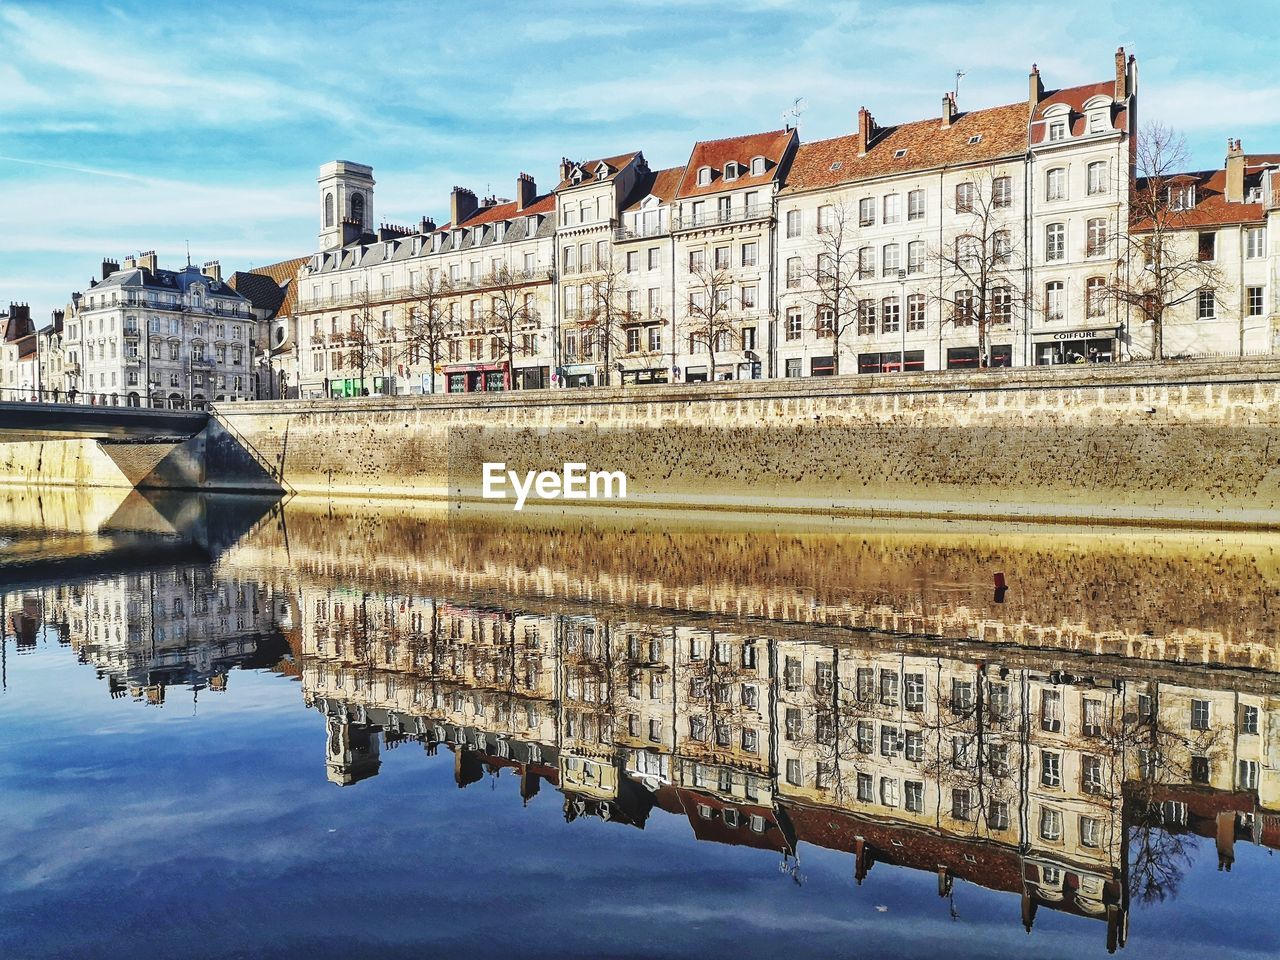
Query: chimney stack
[[867, 129], [109, 267], [565, 166], [526, 191], [1035, 88], [213, 270], [1122, 77], [352, 231], [147, 260], [948, 110], [462, 204], [1235, 172]]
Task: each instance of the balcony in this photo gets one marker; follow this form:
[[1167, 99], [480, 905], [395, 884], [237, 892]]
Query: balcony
[[625, 233], [716, 218]]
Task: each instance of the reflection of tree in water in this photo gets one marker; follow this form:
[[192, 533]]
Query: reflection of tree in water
[[1158, 860]]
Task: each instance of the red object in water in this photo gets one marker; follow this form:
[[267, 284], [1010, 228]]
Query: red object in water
[[999, 579]]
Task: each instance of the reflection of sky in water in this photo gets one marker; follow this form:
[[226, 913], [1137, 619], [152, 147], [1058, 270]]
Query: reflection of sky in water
[[212, 832]]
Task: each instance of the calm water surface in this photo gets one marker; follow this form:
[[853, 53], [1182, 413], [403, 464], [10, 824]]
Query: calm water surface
[[236, 728]]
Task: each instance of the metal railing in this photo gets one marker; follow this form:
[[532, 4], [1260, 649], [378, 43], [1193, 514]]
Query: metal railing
[[714, 217], [447, 287], [130, 398]]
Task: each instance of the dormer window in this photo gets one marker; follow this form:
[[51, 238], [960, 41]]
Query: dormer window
[[757, 166], [1182, 196], [731, 171], [601, 172], [1057, 130], [531, 225], [976, 138], [1097, 122], [899, 154], [704, 176]]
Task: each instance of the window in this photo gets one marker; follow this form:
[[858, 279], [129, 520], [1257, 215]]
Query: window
[[1255, 242], [866, 211], [826, 218], [1002, 192], [750, 254], [1097, 178], [1090, 832], [1206, 249], [1055, 184], [793, 272], [892, 207], [1255, 304], [704, 176], [1091, 721], [890, 742], [1199, 714], [891, 259], [1055, 301], [792, 673], [633, 340], [826, 326], [915, 323], [1096, 242], [915, 205], [961, 803], [1091, 774], [793, 772], [1051, 711], [961, 696], [722, 258], [654, 258], [888, 688], [633, 261], [913, 746], [1249, 720], [1095, 297], [964, 197], [1199, 769], [864, 686], [889, 791], [866, 262], [757, 166], [1001, 304], [1247, 774], [915, 256], [866, 735], [1050, 824], [1205, 305], [998, 759], [1182, 196], [696, 259], [793, 223], [864, 787], [913, 793], [998, 815], [1057, 131], [961, 751], [655, 339], [963, 315], [1050, 768], [915, 692], [1055, 241], [795, 324]]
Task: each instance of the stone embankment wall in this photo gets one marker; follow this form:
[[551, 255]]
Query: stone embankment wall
[[1195, 443], [1179, 443]]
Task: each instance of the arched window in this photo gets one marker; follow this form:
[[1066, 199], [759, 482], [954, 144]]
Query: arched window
[[357, 208], [1095, 297], [1055, 184], [328, 209]]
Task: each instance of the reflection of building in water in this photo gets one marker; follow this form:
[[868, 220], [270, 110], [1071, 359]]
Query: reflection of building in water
[[1060, 778], [151, 631]]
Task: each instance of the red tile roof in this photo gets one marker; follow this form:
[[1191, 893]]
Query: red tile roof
[[507, 211], [1212, 208], [285, 276], [658, 183], [774, 145]]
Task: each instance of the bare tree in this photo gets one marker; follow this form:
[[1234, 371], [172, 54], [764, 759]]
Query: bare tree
[[604, 318], [1159, 264], [427, 322], [362, 334], [710, 315], [984, 262], [832, 277], [510, 315]]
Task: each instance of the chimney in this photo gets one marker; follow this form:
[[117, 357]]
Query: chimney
[[426, 225], [462, 204], [565, 166], [1235, 172], [352, 231], [526, 190], [1035, 88], [130, 262], [866, 130], [948, 110], [108, 268], [213, 270], [147, 260], [1122, 77]]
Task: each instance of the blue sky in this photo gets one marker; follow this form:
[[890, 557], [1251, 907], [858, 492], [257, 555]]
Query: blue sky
[[150, 125]]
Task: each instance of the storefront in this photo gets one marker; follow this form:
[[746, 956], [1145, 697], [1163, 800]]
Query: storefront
[[476, 378], [890, 362], [968, 358], [533, 378], [577, 375], [645, 375], [1095, 345]]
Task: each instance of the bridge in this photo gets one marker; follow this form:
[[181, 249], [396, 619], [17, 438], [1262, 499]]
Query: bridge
[[63, 421]]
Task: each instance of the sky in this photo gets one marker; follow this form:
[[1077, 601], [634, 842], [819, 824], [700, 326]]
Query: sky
[[158, 126]]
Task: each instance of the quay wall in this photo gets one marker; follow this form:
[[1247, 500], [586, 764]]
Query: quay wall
[[1181, 443]]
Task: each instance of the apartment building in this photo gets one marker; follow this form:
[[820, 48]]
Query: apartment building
[[19, 371]]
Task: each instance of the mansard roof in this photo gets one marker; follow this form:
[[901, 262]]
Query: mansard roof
[[273, 287], [661, 184], [173, 280], [613, 164], [1211, 205]]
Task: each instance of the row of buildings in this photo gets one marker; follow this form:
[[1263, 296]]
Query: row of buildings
[[1010, 235], [1030, 773]]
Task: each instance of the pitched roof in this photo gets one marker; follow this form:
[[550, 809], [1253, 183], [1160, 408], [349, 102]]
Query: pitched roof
[[657, 183], [1075, 98], [614, 164], [1212, 207], [273, 287], [507, 211], [923, 144], [773, 145]]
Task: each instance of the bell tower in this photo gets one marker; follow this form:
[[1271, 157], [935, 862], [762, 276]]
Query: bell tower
[[346, 196]]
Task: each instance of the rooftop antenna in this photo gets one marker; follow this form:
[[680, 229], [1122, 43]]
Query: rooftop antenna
[[960, 75], [792, 117], [188, 253]]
